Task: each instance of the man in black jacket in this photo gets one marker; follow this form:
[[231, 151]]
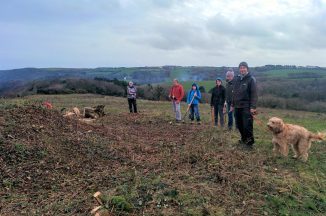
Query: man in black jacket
[[218, 100], [244, 104]]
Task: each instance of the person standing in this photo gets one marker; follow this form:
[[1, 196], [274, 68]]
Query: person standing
[[131, 95], [217, 101], [193, 99], [229, 93], [176, 95], [244, 104]]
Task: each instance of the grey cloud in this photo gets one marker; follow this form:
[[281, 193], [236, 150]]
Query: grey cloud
[[284, 32], [245, 27], [167, 36], [59, 11], [166, 3], [173, 35]]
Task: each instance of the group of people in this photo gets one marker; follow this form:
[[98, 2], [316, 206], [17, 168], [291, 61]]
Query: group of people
[[237, 99]]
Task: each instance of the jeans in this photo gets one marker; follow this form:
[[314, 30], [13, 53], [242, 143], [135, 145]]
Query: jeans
[[218, 111], [132, 105], [244, 122], [194, 111], [177, 110], [230, 115]]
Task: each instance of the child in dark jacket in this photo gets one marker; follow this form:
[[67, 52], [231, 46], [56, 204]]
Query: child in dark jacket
[[193, 99]]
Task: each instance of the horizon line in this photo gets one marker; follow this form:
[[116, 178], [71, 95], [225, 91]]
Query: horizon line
[[28, 67]]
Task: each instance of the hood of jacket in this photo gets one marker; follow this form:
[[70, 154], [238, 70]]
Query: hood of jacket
[[191, 94]]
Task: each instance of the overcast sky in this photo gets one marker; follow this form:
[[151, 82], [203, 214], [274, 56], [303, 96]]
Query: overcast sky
[[100, 33]]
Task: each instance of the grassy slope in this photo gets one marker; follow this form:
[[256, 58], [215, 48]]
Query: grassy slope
[[288, 187]]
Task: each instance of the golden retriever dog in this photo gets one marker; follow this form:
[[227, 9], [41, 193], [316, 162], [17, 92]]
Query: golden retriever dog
[[299, 138]]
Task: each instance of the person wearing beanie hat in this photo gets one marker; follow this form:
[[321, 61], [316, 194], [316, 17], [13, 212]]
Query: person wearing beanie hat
[[217, 101], [219, 78], [244, 64], [131, 95], [244, 104], [193, 100]]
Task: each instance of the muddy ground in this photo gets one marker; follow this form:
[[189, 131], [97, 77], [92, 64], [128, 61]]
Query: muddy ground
[[52, 165]]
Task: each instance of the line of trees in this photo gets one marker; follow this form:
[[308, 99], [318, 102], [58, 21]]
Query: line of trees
[[308, 94]]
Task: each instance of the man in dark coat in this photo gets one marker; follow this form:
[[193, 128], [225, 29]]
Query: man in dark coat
[[244, 104]]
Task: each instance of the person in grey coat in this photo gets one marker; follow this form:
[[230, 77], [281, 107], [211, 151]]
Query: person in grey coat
[[131, 95], [229, 94]]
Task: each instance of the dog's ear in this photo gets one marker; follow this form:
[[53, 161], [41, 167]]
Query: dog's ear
[[280, 126], [282, 123]]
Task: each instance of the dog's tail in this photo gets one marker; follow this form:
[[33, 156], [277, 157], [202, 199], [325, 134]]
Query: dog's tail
[[317, 136]]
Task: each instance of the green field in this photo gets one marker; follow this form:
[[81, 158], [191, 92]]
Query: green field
[[146, 166], [284, 73]]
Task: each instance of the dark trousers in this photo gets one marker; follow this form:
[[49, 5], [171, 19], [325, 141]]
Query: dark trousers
[[244, 122], [218, 112], [132, 105]]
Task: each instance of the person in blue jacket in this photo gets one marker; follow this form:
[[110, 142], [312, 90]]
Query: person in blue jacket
[[193, 99]]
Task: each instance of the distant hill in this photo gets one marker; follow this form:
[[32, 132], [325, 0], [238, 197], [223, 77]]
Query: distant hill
[[146, 75], [138, 74], [154, 74], [288, 87]]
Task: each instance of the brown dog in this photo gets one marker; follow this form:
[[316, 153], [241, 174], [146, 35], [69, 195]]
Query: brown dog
[[288, 134]]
